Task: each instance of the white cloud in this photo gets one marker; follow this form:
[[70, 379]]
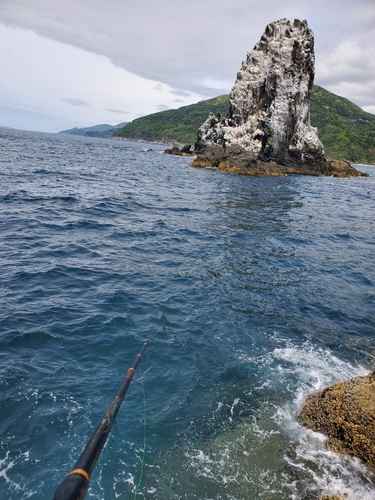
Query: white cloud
[[76, 102], [76, 87], [187, 48], [119, 111], [349, 71], [369, 109]]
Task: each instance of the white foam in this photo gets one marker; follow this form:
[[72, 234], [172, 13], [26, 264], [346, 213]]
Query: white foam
[[8, 465], [268, 454], [314, 369], [277, 452]]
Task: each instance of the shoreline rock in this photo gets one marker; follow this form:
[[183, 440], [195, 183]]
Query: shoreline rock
[[183, 151], [235, 160], [345, 413], [333, 497]]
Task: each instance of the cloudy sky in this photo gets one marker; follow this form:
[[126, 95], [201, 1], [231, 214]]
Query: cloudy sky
[[83, 62]]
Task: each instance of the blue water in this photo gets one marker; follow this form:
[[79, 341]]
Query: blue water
[[256, 291]]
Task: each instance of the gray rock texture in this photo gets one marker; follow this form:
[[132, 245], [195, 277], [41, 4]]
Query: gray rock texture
[[267, 128]]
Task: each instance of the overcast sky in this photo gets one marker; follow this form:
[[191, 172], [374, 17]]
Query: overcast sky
[[83, 62]]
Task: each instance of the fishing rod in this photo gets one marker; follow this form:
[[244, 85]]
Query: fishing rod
[[76, 483]]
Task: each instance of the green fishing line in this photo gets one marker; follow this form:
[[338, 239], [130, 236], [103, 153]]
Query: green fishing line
[[144, 432]]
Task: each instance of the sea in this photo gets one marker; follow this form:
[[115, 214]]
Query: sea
[[255, 291]]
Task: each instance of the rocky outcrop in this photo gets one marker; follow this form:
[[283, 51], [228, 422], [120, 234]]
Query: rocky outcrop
[[184, 151], [345, 413], [343, 168], [267, 128], [333, 497]]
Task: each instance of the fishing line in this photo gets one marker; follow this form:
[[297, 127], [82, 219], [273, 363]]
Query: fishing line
[[144, 431], [76, 483]]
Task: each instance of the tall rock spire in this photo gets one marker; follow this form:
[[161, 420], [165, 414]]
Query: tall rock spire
[[268, 121]]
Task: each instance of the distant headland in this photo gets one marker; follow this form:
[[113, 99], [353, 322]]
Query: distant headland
[[103, 130]]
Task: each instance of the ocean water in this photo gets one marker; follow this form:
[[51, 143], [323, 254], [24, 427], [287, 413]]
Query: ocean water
[[256, 291]]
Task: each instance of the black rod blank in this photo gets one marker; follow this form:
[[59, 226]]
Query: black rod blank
[[76, 483]]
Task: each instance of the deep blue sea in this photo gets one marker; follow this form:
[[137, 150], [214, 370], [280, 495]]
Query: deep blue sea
[[256, 291]]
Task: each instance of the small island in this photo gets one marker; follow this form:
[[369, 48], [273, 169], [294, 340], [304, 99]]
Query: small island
[[267, 129]]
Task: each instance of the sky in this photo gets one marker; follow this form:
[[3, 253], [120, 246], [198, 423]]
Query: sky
[[79, 63]]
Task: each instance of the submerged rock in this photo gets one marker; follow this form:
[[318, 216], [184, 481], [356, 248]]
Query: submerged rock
[[267, 129], [345, 413]]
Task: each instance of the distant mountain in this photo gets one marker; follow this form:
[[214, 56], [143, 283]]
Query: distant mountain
[[175, 125], [345, 130], [102, 130]]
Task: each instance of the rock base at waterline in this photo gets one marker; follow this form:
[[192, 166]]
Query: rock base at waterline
[[184, 151], [237, 160], [342, 168], [345, 413]]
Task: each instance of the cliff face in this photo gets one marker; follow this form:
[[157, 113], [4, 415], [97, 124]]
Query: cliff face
[[267, 128]]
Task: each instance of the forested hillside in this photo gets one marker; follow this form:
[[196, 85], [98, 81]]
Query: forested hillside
[[345, 130]]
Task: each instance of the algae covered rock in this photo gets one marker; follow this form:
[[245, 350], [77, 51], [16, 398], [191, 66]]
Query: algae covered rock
[[332, 497], [345, 413], [343, 168]]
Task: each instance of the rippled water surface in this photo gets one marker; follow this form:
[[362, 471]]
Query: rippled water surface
[[256, 291]]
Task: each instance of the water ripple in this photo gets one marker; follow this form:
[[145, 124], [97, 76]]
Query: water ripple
[[256, 291]]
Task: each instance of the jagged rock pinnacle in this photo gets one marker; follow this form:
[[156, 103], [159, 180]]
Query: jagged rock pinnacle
[[267, 128]]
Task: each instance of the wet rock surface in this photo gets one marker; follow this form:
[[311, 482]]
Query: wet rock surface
[[345, 413], [183, 151], [267, 129], [333, 497], [342, 168]]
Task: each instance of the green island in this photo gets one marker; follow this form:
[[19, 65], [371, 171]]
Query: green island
[[345, 130], [103, 130]]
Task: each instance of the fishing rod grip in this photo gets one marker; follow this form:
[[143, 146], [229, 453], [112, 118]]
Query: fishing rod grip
[[76, 483]]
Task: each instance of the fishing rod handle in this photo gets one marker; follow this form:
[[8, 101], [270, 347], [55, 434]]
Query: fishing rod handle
[[76, 483]]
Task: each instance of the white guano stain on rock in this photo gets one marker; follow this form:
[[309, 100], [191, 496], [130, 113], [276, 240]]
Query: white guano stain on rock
[[269, 114]]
